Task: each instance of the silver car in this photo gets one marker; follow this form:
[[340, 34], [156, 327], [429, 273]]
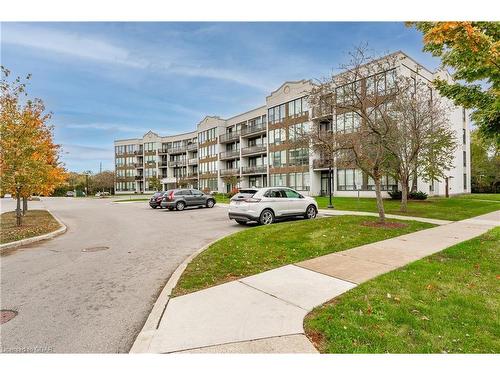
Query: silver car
[[179, 199], [266, 205]]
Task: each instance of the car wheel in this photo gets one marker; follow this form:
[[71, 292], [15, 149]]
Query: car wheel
[[311, 212], [180, 206], [266, 217], [241, 222], [210, 203]]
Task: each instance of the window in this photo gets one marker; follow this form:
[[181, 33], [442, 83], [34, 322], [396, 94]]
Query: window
[[299, 156], [149, 146], [463, 136], [206, 135], [278, 179], [465, 181], [278, 158], [465, 158], [299, 180], [292, 194], [277, 136]]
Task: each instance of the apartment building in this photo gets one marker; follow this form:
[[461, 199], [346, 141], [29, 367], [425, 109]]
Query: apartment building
[[256, 149]]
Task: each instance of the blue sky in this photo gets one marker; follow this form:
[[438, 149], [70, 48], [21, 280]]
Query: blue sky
[[106, 81]]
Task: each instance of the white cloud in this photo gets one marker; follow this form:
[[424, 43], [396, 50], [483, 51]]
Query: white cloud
[[101, 50], [79, 152], [108, 126], [68, 43]]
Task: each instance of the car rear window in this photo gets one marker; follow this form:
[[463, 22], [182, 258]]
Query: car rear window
[[244, 194], [156, 195]]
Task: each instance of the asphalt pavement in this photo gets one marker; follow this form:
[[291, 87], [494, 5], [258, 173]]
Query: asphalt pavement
[[76, 301]]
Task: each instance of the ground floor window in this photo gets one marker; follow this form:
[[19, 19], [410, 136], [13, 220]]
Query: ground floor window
[[354, 179], [257, 181], [208, 184], [125, 186], [465, 180], [299, 181]]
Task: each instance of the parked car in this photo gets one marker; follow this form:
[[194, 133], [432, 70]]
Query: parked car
[[102, 194], [266, 205], [155, 200], [182, 198], [70, 193]]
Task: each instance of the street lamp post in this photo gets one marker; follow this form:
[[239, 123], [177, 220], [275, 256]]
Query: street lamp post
[[330, 174]]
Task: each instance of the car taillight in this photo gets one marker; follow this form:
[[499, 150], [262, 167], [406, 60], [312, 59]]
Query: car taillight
[[252, 200], [171, 196]]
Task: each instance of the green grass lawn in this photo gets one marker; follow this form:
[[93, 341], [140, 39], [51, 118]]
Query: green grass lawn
[[35, 223], [455, 208], [448, 302], [262, 248]]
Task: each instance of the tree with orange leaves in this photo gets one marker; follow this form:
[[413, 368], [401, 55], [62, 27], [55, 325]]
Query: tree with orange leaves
[[472, 50], [28, 156]]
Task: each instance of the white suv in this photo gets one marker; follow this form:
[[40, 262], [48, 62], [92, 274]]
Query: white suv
[[268, 204]]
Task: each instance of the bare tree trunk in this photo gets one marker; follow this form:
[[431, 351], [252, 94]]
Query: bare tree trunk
[[18, 210], [25, 205], [404, 194], [380, 202], [414, 182]]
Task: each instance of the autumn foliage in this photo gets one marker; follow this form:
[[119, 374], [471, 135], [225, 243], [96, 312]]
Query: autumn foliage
[[29, 159]]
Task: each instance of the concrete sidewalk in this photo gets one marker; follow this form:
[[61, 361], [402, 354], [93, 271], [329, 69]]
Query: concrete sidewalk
[[264, 313]]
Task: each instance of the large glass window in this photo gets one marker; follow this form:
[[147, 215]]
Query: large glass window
[[278, 179], [299, 156], [299, 180]]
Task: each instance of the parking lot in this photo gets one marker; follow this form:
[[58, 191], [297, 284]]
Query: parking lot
[[91, 289]]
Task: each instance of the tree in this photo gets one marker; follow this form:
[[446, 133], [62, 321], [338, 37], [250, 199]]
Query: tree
[[155, 183], [104, 181], [231, 180], [419, 137], [28, 157], [485, 164], [352, 94], [472, 50]]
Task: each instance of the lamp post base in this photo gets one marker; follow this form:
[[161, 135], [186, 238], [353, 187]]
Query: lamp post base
[[330, 206]]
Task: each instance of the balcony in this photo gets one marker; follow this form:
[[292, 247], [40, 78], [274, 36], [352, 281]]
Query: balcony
[[138, 152], [192, 175], [192, 147], [138, 165], [259, 149], [230, 172], [193, 161], [162, 163], [255, 169], [177, 150], [178, 163], [162, 151], [150, 163], [229, 137], [231, 154], [254, 129], [140, 177], [322, 163]]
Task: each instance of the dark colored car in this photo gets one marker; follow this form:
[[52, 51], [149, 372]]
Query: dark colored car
[[182, 198], [155, 200]]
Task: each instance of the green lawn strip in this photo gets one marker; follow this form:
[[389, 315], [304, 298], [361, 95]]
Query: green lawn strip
[[458, 208], [486, 197], [132, 200], [221, 198], [34, 223], [262, 248], [448, 302]]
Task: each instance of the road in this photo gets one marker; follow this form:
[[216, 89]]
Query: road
[[97, 302]]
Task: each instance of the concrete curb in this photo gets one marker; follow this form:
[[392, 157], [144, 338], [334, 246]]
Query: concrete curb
[[143, 339], [27, 241]]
